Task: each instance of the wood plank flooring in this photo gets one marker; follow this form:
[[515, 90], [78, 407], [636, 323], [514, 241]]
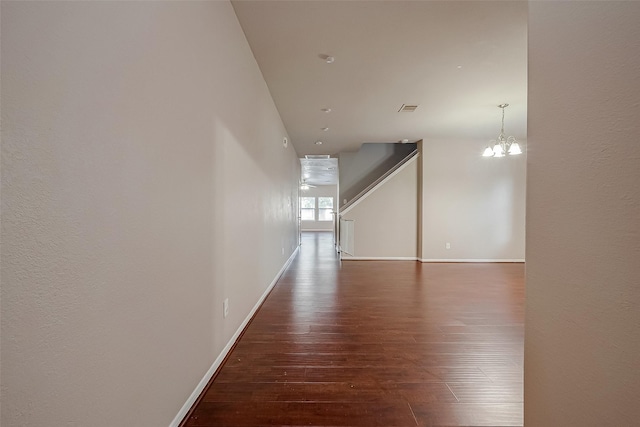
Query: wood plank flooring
[[376, 343]]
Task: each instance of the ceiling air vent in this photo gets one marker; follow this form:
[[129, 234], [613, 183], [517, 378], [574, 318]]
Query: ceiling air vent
[[407, 108], [316, 156]]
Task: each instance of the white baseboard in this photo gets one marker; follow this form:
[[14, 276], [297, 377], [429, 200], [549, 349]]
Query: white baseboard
[[471, 260], [400, 258], [383, 258], [216, 364]]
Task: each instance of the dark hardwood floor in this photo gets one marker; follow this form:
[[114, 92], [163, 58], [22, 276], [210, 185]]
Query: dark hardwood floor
[[376, 343]]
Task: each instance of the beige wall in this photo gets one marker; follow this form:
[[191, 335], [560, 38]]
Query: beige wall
[[582, 341], [386, 221], [142, 171], [320, 191], [477, 204]]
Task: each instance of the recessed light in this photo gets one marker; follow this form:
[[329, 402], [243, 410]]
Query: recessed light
[[318, 142], [329, 59], [459, 66], [326, 110], [325, 129]]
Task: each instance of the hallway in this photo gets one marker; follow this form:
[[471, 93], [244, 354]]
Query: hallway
[[376, 343]]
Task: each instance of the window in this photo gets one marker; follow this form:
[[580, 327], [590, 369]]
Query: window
[[308, 208], [320, 211], [325, 208]]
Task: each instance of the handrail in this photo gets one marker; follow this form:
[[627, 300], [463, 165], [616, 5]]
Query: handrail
[[379, 180]]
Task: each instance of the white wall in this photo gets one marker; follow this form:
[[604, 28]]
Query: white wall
[[142, 171], [477, 204], [320, 191], [386, 221], [582, 340]]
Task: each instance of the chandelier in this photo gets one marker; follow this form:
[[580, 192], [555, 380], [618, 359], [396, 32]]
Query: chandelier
[[502, 145]]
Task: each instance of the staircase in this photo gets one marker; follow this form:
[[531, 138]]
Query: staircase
[[390, 185], [379, 175]]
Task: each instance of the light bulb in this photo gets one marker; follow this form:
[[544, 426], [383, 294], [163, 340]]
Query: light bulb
[[515, 149]]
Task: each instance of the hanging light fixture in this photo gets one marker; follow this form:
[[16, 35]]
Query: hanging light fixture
[[503, 145]]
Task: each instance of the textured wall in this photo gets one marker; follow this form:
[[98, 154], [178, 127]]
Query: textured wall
[[582, 341], [142, 171], [477, 204], [386, 221]]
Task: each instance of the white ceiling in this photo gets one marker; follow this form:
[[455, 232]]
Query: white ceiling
[[456, 60]]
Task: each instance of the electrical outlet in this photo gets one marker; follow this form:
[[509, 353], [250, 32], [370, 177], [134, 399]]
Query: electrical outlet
[[225, 307], [447, 245]]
